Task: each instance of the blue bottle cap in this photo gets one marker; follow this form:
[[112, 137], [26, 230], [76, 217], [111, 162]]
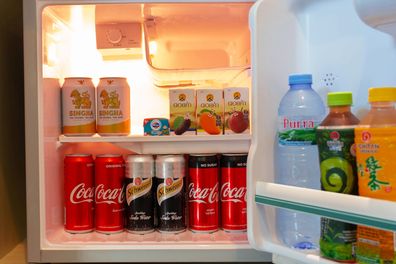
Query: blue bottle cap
[[300, 79]]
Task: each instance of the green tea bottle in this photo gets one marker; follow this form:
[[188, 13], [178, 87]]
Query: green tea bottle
[[335, 138]]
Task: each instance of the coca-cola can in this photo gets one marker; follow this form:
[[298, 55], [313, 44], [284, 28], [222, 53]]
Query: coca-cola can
[[170, 186], [139, 194], [203, 193], [109, 193], [79, 193], [233, 192]]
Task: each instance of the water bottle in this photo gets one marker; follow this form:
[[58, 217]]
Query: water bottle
[[296, 158]]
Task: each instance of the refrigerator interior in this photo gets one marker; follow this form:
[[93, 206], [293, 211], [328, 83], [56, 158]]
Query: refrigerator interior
[[328, 39], [185, 45]]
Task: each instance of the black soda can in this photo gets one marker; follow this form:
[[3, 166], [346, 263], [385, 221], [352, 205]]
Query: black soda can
[[140, 202], [170, 193]]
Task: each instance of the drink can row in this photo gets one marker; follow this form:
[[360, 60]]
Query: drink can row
[[205, 187], [79, 116], [153, 193], [94, 194]]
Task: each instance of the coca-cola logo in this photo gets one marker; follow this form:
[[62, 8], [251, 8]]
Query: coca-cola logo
[[80, 194], [232, 195], [203, 195], [109, 196]]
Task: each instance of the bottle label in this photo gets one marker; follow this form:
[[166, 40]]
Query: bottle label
[[337, 240], [376, 155], [337, 155], [297, 131], [375, 246]]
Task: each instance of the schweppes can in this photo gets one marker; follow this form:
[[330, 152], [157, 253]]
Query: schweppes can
[[113, 103], [139, 193], [170, 200], [78, 107]]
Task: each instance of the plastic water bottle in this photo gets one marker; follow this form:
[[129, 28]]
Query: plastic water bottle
[[297, 160]]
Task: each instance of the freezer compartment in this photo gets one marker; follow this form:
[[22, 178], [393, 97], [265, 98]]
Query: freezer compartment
[[183, 44], [343, 54]]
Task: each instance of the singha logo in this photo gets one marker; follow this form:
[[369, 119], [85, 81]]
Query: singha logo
[[81, 100], [110, 100]]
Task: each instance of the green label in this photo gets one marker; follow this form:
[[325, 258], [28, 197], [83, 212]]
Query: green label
[[337, 159], [338, 174], [337, 240]]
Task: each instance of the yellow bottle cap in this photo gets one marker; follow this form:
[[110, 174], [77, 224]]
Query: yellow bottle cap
[[382, 94]]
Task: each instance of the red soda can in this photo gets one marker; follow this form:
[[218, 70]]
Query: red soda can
[[233, 192], [109, 193], [79, 193], [203, 193]]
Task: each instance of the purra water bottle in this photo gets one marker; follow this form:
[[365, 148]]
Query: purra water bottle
[[300, 112]]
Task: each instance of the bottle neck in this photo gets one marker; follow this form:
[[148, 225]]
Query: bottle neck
[[300, 86], [340, 109], [382, 105]]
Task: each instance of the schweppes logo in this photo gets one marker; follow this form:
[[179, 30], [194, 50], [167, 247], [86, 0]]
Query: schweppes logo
[[237, 95], [138, 188], [209, 97], [168, 189]]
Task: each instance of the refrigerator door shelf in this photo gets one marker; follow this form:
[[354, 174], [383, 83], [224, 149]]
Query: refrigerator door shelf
[[359, 210], [171, 144]]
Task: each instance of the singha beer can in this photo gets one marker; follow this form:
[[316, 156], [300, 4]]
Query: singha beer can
[[170, 172], [109, 193], [203, 193], [233, 192], [139, 194], [79, 193], [78, 107], [113, 102]]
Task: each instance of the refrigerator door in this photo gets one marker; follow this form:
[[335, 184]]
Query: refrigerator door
[[328, 39]]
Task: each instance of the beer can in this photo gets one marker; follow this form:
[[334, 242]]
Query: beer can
[[203, 193], [109, 193], [78, 107], [233, 192], [139, 194], [113, 103], [79, 193], [170, 174]]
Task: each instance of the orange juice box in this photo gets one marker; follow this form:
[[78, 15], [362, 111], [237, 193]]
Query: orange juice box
[[182, 104], [210, 111], [236, 110]]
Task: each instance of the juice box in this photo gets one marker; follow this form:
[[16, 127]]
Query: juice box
[[182, 106], [236, 110], [210, 111]]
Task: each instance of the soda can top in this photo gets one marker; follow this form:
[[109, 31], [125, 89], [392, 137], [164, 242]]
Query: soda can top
[[108, 156], [73, 78], [170, 166], [78, 155], [139, 166], [105, 78], [234, 154]]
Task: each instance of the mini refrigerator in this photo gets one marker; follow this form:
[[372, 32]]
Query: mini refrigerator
[[158, 45]]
